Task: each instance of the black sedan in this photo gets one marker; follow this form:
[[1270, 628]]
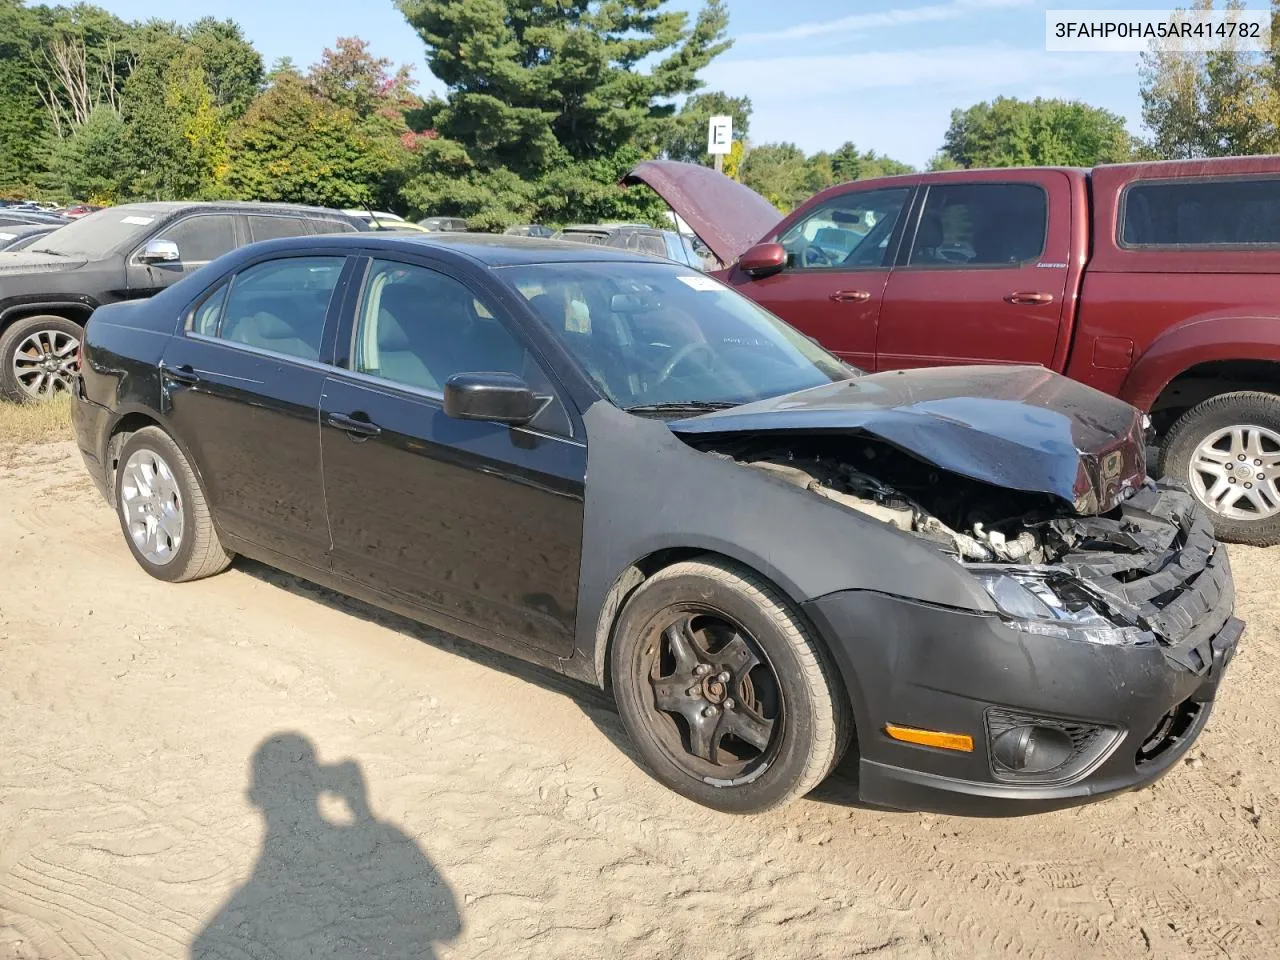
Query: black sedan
[[620, 468]]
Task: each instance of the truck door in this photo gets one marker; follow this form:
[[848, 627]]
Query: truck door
[[839, 255], [982, 277]]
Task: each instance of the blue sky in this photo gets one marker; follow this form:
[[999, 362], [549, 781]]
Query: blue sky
[[883, 74]]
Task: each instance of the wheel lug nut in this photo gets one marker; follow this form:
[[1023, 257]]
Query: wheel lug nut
[[728, 704], [710, 712], [724, 676], [1231, 479], [1261, 477], [1257, 463], [701, 670], [1241, 457], [1248, 486], [693, 691]]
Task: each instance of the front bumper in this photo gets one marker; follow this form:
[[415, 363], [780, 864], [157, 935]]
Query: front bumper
[[932, 668]]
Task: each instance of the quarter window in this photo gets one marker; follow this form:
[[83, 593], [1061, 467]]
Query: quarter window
[[1230, 212], [278, 305], [849, 231], [203, 238], [419, 327], [980, 224]]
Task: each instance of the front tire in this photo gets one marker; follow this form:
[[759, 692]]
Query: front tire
[[724, 689], [37, 358], [1227, 451], [163, 512]]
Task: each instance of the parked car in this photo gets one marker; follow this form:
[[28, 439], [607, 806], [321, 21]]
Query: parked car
[[80, 210], [374, 219], [1155, 282], [529, 230], [21, 236], [123, 253], [444, 224], [636, 237], [620, 468], [17, 218]]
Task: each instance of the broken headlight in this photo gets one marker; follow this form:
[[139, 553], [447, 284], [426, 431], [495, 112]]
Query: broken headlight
[[1055, 605]]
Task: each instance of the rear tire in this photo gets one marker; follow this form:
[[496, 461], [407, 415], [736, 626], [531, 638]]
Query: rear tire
[[724, 689], [37, 357], [1227, 451], [163, 513]]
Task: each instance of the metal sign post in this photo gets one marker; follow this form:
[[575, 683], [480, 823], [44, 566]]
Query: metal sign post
[[719, 139]]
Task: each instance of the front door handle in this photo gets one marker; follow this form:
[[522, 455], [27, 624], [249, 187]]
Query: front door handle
[[851, 296], [361, 428], [184, 373], [1025, 298]]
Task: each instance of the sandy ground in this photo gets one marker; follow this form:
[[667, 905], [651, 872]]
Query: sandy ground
[[248, 760]]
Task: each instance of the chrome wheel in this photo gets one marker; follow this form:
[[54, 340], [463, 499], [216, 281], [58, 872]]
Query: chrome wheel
[[1234, 472], [44, 363], [151, 504]]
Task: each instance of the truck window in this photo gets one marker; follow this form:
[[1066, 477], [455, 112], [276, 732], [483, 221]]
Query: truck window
[[276, 227], [980, 224], [1232, 211], [203, 237], [849, 231]]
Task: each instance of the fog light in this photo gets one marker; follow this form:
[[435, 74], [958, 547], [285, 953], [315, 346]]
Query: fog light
[[1032, 749]]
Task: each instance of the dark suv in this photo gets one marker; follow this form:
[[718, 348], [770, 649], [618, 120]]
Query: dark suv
[[122, 253]]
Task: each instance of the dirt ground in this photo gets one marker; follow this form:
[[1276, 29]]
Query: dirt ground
[[254, 766]]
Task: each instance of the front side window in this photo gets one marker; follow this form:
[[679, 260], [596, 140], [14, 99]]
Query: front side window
[[201, 239], [418, 327], [661, 333], [850, 231], [1236, 211], [277, 305], [981, 224]]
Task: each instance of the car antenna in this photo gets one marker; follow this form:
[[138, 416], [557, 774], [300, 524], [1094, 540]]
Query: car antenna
[[372, 217]]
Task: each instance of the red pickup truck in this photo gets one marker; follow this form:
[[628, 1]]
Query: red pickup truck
[[1156, 282]]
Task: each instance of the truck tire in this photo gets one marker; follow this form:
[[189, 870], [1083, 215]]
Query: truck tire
[[37, 358], [1227, 451]]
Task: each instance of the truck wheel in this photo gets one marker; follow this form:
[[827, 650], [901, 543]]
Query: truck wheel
[[724, 690], [1227, 451], [37, 358]]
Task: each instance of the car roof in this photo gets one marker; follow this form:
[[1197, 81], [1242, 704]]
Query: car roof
[[486, 249], [162, 208]]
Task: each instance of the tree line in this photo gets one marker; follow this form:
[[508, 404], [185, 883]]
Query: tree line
[[545, 107]]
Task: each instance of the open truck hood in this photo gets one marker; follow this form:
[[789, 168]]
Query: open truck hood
[[1020, 428], [727, 216]]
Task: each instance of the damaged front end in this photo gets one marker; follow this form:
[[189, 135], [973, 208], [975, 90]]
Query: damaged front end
[[1147, 571]]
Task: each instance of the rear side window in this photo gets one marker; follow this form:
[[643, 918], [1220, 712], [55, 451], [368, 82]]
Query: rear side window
[[201, 239], [1231, 212], [277, 305], [981, 225], [332, 226], [274, 228]]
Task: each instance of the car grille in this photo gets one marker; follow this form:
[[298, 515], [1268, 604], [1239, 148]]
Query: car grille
[[1169, 732], [1158, 565]]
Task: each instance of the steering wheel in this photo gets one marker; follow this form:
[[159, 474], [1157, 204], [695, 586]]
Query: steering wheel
[[814, 256], [681, 355]]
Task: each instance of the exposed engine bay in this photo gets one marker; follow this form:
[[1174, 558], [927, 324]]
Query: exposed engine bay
[[973, 521]]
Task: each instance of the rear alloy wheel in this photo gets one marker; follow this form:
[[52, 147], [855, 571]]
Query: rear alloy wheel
[[1227, 451], [163, 512], [724, 690], [37, 358]]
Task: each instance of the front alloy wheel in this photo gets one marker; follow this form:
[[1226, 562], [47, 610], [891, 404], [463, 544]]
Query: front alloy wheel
[[726, 692]]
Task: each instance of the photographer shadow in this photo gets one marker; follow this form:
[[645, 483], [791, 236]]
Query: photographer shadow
[[321, 887]]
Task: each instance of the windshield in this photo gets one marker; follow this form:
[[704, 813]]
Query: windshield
[[99, 233], [655, 334]]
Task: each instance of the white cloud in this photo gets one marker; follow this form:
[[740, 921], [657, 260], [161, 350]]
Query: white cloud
[[899, 17]]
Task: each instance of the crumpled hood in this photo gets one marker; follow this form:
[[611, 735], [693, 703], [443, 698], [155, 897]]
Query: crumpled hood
[[25, 261], [727, 216], [1023, 428]]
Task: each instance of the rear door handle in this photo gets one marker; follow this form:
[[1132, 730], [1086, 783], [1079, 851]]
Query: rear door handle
[[362, 428], [1027, 298], [181, 374], [851, 296]]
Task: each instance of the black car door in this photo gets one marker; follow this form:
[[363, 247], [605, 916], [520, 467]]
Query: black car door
[[470, 522], [242, 387], [200, 238]]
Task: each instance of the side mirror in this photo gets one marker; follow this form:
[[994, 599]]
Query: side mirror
[[160, 251], [763, 259], [499, 397]]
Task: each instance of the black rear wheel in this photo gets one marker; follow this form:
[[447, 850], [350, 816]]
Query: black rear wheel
[[724, 690]]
